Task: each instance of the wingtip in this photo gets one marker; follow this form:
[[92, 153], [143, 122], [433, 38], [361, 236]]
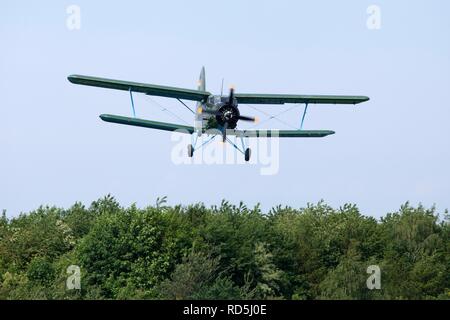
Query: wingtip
[[361, 99], [72, 78], [328, 133]]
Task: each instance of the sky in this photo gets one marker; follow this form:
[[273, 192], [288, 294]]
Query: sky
[[54, 149]]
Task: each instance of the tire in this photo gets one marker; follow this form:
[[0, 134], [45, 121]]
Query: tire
[[190, 151], [248, 153]]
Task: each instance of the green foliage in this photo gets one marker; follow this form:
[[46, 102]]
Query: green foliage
[[128, 248], [223, 252], [41, 271], [40, 233], [198, 277]]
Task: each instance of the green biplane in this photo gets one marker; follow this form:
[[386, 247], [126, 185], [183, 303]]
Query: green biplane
[[215, 115]]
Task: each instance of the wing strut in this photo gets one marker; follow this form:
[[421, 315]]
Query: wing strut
[[184, 104], [303, 117], [132, 103]]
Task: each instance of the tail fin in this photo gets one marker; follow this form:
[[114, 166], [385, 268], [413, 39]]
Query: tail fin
[[202, 80], [201, 85]]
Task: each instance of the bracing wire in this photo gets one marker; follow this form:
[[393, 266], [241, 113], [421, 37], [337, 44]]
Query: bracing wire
[[167, 110], [274, 117]]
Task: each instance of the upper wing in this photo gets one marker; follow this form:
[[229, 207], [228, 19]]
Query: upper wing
[[150, 89], [147, 123], [290, 98], [282, 133]]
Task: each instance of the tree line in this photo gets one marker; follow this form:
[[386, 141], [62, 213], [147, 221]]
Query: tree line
[[224, 252]]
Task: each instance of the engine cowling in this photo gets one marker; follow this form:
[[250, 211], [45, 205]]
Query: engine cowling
[[228, 114]]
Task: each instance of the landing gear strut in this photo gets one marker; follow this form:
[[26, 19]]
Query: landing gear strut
[[247, 152]]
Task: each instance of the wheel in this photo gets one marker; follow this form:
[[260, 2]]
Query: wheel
[[190, 150], [248, 153]]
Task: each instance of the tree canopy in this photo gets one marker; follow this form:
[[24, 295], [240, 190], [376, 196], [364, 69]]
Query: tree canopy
[[224, 252]]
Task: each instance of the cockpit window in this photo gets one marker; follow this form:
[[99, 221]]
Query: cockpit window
[[214, 100]]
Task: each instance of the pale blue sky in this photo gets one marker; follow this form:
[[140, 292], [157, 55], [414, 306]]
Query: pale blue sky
[[55, 150]]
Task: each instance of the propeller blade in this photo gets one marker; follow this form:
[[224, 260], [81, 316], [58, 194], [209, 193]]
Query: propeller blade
[[231, 99], [245, 118], [224, 133]]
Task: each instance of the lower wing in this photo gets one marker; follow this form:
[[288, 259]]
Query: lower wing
[[240, 133], [282, 133], [147, 123]]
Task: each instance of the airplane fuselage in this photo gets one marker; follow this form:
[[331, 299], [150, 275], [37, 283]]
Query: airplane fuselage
[[220, 111]]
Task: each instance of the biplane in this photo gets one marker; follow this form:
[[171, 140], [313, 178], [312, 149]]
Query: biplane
[[215, 115]]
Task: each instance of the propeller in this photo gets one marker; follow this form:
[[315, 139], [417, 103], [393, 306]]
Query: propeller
[[228, 115]]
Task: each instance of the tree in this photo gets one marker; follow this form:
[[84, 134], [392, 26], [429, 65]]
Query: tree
[[198, 277], [223, 252], [131, 247]]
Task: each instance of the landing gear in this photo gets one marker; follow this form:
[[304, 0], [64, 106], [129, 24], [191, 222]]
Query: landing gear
[[190, 151], [248, 153]]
